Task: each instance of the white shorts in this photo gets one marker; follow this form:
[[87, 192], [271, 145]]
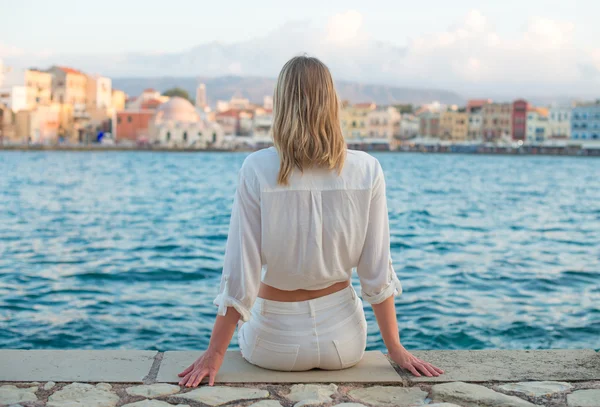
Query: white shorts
[[329, 333]]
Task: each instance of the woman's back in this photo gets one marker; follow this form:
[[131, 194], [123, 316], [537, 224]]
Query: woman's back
[[313, 229]]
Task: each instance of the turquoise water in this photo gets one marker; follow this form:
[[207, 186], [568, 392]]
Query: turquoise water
[[124, 250]]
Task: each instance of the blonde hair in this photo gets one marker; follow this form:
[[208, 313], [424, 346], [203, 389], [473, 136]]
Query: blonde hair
[[306, 125]]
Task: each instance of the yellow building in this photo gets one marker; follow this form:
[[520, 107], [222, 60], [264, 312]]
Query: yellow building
[[69, 86], [354, 120], [25, 89], [118, 100], [454, 125], [40, 125]]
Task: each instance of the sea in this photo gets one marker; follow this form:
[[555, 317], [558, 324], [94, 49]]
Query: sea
[[124, 250]]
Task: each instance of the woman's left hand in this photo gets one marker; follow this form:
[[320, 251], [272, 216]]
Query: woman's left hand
[[206, 365], [407, 361]]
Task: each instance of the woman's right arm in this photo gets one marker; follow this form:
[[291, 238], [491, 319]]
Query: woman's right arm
[[385, 313], [379, 283]]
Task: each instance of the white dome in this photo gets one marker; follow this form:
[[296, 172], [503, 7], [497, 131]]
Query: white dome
[[178, 110]]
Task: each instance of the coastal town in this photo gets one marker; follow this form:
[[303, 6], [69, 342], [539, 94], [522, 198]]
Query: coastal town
[[63, 106]]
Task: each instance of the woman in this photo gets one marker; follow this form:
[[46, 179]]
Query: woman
[[306, 212]]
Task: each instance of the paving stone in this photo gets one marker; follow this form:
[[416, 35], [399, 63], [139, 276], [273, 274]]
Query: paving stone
[[311, 394], [124, 366], [350, 405], [10, 394], [49, 385], [390, 396], [510, 365], [443, 405], [217, 395], [153, 390], [104, 386], [82, 394], [474, 395], [266, 403], [584, 398], [537, 389], [153, 403], [373, 368], [15, 405]]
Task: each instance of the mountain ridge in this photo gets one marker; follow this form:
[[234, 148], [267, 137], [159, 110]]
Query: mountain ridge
[[256, 87]]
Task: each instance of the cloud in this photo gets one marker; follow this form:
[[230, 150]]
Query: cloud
[[471, 56]]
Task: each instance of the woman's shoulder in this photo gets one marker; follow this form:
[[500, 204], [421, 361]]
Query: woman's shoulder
[[363, 161]]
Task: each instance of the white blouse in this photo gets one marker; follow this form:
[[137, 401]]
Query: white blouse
[[309, 234]]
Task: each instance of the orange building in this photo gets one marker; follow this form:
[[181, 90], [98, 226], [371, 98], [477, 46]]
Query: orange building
[[133, 125]]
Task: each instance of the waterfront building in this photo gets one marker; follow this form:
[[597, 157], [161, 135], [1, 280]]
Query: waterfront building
[[39, 125], [475, 113], [69, 86], [133, 125], [384, 123], [537, 125], [268, 102], [14, 97], [118, 98], [262, 122], [497, 119], [409, 126], [585, 122], [99, 92], [148, 99], [238, 102], [559, 121], [201, 102], [229, 121], [519, 119], [25, 88], [429, 124], [354, 120], [177, 123], [454, 125]]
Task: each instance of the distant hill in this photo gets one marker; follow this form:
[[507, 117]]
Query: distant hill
[[255, 88]]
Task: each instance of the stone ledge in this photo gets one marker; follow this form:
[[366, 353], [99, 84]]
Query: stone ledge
[[373, 368], [135, 366]]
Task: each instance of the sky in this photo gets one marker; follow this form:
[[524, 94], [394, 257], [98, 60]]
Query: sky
[[452, 44]]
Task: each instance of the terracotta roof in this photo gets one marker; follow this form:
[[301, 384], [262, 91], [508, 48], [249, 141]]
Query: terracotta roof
[[149, 90], [151, 104], [66, 69], [229, 113]]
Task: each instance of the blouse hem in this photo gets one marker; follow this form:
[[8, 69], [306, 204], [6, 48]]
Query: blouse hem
[[226, 301], [394, 288]]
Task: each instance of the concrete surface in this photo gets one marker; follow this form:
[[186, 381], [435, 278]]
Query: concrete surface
[[510, 365], [373, 368], [117, 366]]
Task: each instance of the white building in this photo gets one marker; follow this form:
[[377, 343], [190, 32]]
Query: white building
[[537, 126], [263, 120], [14, 97], [99, 92], [409, 126], [268, 102], [383, 122], [560, 122], [178, 124]]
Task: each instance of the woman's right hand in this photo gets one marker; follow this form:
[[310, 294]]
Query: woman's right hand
[[406, 360], [206, 365]]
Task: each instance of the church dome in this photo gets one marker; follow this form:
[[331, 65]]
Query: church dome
[[178, 110]]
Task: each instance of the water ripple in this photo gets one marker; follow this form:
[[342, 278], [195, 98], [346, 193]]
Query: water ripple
[[124, 250]]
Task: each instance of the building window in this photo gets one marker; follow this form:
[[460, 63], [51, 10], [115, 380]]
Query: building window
[[118, 120], [168, 136], [200, 134], [129, 119], [214, 140], [185, 136]]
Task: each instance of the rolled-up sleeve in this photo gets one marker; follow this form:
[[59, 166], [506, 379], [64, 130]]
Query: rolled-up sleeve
[[376, 273], [241, 276]]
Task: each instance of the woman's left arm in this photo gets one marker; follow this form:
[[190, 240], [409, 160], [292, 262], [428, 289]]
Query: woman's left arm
[[240, 280]]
